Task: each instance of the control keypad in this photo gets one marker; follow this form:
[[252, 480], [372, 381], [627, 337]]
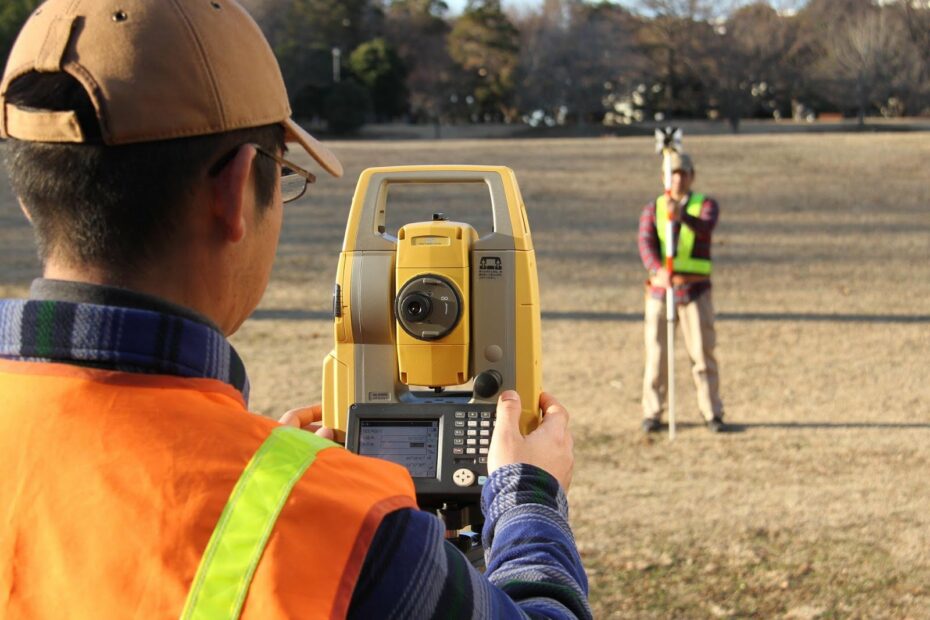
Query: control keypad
[[476, 429]]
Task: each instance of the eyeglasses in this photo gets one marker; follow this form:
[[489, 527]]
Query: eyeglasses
[[294, 179]]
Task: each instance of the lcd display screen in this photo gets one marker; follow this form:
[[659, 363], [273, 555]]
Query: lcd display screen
[[413, 444]]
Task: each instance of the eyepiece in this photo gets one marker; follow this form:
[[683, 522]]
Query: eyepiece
[[427, 307], [416, 307]]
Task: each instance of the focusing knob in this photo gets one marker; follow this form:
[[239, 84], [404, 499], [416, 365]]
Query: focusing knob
[[488, 383]]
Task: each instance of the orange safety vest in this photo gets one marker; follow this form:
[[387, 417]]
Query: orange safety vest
[[111, 484]]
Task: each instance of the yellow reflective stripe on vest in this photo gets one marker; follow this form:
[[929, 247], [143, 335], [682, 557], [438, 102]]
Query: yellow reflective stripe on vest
[[238, 541], [684, 262]]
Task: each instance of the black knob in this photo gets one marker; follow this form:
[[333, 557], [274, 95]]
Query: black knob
[[488, 383]]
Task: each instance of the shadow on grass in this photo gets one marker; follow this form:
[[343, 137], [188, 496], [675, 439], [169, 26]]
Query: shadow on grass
[[823, 318], [293, 314], [679, 426], [742, 427], [811, 317]]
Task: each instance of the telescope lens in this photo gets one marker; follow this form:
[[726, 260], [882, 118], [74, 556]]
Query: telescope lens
[[415, 310], [416, 307]]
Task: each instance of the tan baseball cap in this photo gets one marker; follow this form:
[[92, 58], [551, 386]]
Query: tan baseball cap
[[681, 161], [154, 70]]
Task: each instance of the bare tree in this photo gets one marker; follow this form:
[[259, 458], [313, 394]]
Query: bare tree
[[917, 22], [678, 38], [864, 56], [572, 54], [693, 10], [604, 56], [417, 30], [751, 70]]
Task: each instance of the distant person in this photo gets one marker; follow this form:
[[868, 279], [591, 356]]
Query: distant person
[[147, 142], [695, 217]]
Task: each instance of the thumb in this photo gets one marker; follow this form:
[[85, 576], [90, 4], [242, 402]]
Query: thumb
[[555, 416], [326, 433], [290, 419], [508, 411]]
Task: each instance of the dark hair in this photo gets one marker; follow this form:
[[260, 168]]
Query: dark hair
[[115, 207]]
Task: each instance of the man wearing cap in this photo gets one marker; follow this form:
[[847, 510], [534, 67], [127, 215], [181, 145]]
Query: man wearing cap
[[147, 143], [694, 217]]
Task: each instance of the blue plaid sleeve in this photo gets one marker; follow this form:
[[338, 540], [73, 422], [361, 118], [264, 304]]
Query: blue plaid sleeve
[[534, 570]]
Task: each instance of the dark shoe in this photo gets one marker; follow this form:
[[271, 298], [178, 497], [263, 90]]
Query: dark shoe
[[651, 425], [716, 425]]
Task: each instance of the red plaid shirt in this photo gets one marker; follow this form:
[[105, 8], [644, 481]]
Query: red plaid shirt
[[703, 227]]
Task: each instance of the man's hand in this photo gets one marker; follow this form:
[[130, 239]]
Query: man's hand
[[309, 419], [548, 447], [660, 278]]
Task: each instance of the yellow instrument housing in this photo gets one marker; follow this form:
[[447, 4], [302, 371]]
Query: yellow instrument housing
[[374, 359], [437, 248]]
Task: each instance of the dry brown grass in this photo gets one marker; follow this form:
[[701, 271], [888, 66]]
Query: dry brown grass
[[818, 507]]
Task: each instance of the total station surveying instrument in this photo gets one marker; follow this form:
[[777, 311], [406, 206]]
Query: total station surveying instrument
[[431, 324]]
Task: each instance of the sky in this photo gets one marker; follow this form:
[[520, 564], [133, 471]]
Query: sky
[[457, 6]]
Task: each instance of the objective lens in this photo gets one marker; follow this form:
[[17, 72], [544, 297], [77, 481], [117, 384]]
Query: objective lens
[[416, 307]]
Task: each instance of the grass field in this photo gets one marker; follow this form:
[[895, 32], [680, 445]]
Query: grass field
[[818, 506]]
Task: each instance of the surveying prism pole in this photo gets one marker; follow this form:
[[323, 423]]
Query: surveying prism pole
[[668, 141]]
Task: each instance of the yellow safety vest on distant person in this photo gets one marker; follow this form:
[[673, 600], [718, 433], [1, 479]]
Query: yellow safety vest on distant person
[[684, 262]]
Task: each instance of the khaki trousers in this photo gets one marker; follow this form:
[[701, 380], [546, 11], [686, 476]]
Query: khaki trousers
[[697, 324]]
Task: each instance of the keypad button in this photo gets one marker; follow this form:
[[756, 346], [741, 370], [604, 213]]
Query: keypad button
[[473, 423], [485, 423], [459, 414], [458, 451], [458, 441], [482, 450], [482, 459], [459, 423], [485, 414], [472, 432], [470, 451], [459, 432], [485, 433], [471, 442], [484, 442], [472, 415]]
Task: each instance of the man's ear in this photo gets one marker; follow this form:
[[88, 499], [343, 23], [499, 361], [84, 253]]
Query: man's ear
[[231, 190], [25, 211]]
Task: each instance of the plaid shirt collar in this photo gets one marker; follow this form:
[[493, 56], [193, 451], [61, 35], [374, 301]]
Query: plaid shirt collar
[[116, 329]]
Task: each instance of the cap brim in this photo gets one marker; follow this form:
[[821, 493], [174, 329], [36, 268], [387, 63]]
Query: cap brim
[[295, 133]]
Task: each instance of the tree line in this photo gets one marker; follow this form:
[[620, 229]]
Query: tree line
[[347, 62]]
